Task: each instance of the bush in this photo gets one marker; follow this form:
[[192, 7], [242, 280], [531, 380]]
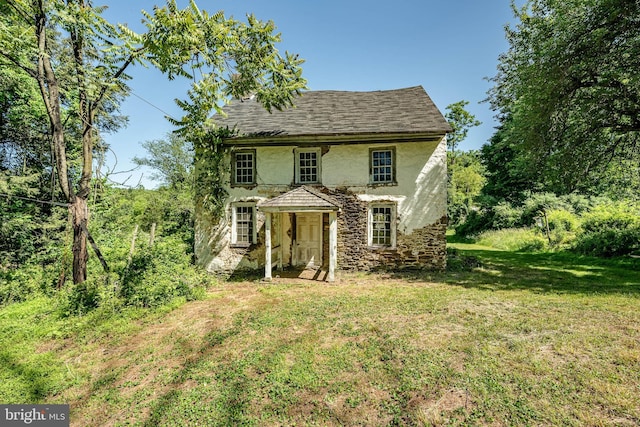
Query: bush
[[502, 215], [505, 215], [161, 273], [79, 299], [513, 239], [611, 229], [26, 282], [563, 227]]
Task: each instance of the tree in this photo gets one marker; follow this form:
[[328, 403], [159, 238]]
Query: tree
[[506, 167], [171, 159], [465, 184], [465, 179], [461, 121], [570, 84], [230, 57], [23, 124]]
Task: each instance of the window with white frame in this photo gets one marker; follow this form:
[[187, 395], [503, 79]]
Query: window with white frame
[[243, 224], [382, 165], [382, 225], [244, 167], [308, 165]]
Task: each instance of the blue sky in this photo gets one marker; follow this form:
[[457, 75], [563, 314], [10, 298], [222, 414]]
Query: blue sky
[[447, 46]]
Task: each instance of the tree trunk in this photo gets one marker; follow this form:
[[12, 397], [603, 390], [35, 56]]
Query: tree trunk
[[80, 216]]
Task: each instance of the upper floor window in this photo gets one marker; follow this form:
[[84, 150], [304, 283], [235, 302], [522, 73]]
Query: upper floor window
[[382, 165], [244, 167], [243, 224], [308, 165], [382, 225]]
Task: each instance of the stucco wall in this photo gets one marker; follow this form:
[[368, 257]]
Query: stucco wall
[[420, 195]]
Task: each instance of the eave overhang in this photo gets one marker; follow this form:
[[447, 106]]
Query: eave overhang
[[329, 139]]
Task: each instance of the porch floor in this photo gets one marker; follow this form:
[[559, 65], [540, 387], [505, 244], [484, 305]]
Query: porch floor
[[319, 274]]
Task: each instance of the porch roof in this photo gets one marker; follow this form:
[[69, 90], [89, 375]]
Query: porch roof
[[301, 199]]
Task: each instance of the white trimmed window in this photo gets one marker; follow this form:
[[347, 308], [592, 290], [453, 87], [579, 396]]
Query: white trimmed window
[[382, 165], [382, 225], [308, 165], [243, 224], [244, 167]]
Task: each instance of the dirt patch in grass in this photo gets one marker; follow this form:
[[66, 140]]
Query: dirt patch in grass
[[150, 358], [451, 404]]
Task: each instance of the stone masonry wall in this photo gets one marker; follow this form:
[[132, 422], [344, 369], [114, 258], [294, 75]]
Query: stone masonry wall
[[423, 248]]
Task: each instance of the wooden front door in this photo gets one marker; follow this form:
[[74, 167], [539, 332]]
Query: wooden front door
[[309, 240]]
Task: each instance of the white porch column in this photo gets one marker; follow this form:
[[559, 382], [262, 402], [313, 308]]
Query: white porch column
[[267, 244], [333, 245]]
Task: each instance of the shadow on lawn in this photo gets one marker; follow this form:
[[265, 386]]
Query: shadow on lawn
[[544, 272]]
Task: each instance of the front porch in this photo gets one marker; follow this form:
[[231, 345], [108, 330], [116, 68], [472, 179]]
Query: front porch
[[301, 231]]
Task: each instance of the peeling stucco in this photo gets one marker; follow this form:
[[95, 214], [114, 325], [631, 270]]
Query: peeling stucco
[[419, 193]]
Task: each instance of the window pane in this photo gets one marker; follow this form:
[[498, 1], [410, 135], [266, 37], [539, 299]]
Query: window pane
[[381, 226], [308, 167], [244, 164], [244, 224], [382, 166]]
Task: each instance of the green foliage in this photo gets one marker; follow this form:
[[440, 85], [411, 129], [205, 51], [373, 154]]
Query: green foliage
[[568, 89], [30, 231], [172, 160], [465, 183], [461, 121], [79, 298], [514, 239], [501, 215], [610, 230], [160, 274], [119, 210], [80, 61], [464, 171], [231, 58], [28, 281], [210, 172], [507, 172], [155, 272], [564, 227], [592, 226], [23, 123]]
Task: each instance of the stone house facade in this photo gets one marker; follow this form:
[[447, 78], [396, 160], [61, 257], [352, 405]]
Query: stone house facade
[[342, 181]]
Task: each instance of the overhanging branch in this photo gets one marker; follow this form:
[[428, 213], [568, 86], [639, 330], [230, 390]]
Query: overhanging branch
[[13, 61]]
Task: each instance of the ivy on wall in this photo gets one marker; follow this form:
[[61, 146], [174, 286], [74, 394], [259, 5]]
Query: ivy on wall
[[210, 172]]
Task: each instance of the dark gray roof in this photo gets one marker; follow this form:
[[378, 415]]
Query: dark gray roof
[[329, 112], [301, 198]]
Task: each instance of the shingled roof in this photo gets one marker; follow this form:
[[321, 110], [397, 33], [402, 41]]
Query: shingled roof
[[328, 113], [301, 199]]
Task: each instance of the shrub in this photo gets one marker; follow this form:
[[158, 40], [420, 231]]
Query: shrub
[[611, 229], [513, 239], [161, 273], [563, 226], [26, 282], [502, 215], [78, 299], [505, 215]]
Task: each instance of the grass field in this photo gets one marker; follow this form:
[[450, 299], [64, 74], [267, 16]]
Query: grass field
[[503, 339]]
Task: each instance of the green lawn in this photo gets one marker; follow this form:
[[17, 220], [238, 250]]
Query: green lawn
[[510, 339]]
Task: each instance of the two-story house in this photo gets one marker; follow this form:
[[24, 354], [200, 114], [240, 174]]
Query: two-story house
[[344, 180]]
